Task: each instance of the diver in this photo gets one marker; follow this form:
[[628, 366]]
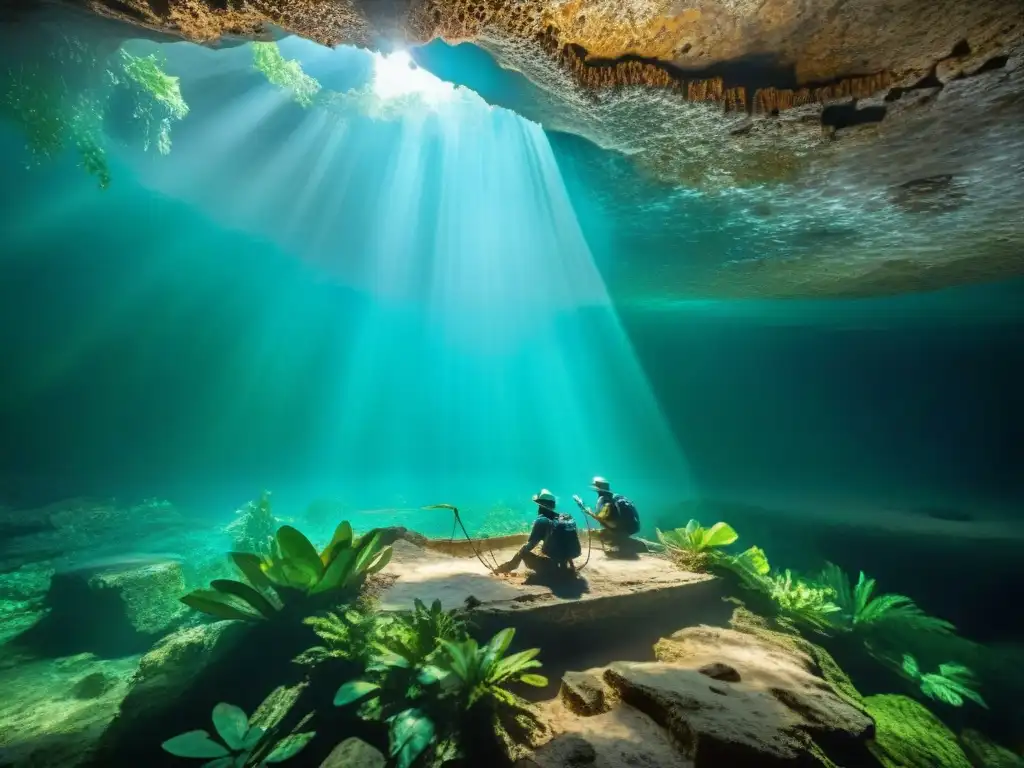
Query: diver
[[617, 516], [557, 536]]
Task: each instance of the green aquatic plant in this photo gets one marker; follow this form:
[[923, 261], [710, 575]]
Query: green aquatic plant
[[482, 672], [254, 526], [242, 742], [285, 73], [802, 600], [291, 572], [348, 634], [417, 636], [751, 566], [862, 611], [951, 684], [63, 97], [429, 682], [54, 115], [695, 546], [156, 98]]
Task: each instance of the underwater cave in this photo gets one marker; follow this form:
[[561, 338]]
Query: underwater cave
[[519, 384]]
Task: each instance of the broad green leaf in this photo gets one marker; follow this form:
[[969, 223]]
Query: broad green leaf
[[458, 656], [252, 738], [247, 594], [411, 735], [501, 641], [289, 747], [353, 691], [337, 572], [194, 744], [249, 564], [720, 535], [389, 658], [299, 574], [435, 607], [231, 723], [379, 562], [342, 538], [430, 674], [367, 550], [221, 762], [538, 681], [910, 666], [218, 605], [297, 548]]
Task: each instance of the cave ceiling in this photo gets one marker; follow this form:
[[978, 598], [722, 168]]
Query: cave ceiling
[[858, 147]]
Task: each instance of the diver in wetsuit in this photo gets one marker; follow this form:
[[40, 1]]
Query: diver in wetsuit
[[616, 514], [557, 536]]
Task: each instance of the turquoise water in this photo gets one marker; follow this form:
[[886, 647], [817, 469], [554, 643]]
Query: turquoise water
[[401, 295]]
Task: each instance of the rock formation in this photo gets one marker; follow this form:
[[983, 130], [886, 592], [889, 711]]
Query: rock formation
[[714, 697], [850, 109]]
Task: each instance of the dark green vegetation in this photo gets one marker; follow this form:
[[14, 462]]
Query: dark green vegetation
[[433, 684], [415, 684], [64, 97], [242, 742], [831, 609]]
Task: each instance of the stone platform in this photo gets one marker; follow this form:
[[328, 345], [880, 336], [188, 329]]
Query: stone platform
[[615, 609]]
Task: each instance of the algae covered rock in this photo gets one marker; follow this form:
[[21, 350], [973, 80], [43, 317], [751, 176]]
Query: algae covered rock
[[150, 595], [53, 711], [112, 609], [907, 735], [984, 753], [354, 753], [164, 675]]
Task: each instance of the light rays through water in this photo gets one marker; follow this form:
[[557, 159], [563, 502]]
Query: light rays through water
[[446, 334]]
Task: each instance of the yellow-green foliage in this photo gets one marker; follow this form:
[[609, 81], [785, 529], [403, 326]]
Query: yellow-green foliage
[[292, 571], [158, 99], [349, 633], [56, 115], [285, 73], [907, 735]]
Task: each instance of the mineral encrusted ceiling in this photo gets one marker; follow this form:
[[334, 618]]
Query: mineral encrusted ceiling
[[883, 117]]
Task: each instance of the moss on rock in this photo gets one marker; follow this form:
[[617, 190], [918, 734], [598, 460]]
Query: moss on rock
[[907, 735], [984, 753], [778, 634], [151, 595]]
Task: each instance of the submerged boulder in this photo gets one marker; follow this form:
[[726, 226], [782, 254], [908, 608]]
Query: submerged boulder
[[112, 609], [354, 753], [168, 670], [53, 711], [717, 697], [909, 736]]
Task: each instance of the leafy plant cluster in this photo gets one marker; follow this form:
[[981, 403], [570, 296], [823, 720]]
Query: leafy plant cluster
[[57, 113], [829, 604], [285, 73], [243, 741], [434, 686], [291, 573]]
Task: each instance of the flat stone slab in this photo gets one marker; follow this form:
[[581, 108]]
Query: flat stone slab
[[429, 574], [628, 604]]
